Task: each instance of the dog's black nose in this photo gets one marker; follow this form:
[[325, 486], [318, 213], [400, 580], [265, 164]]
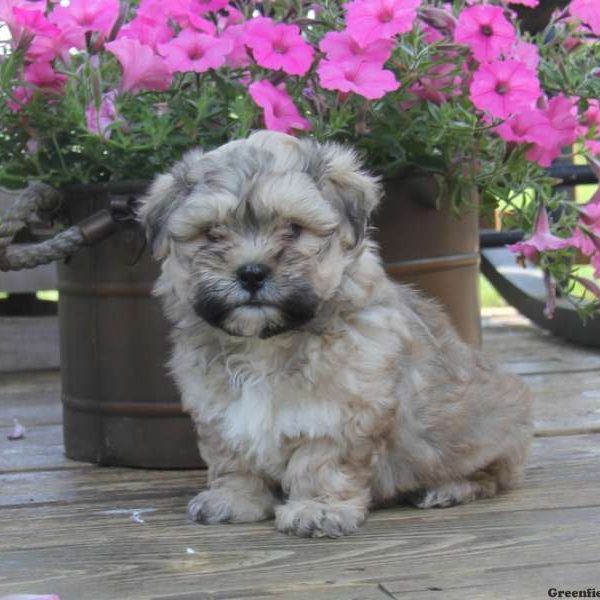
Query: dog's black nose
[[253, 276]]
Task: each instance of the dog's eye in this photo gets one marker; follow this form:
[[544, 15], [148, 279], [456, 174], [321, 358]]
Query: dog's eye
[[213, 234], [294, 230]]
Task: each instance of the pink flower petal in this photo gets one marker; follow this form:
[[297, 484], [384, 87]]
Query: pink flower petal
[[341, 47], [18, 432], [588, 11], [98, 120], [87, 15], [365, 79], [541, 240], [278, 46], [280, 112], [196, 52], [371, 20], [142, 69], [485, 30], [504, 87]]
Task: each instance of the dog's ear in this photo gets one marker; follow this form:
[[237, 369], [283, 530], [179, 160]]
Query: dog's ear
[[345, 183], [167, 193]]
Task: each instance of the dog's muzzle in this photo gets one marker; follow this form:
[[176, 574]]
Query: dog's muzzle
[[292, 312]]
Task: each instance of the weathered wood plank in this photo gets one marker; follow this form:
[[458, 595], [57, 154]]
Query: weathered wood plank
[[565, 401], [327, 591], [530, 350], [411, 555], [83, 538], [28, 343], [94, 484], [33, 396], [498, 582], [41, 448]]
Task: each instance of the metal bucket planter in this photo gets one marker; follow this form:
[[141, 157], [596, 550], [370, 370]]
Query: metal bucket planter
[[435, 251], [120, 406]]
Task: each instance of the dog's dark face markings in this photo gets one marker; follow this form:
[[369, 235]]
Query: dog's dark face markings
[[247, 276], [255, 235]]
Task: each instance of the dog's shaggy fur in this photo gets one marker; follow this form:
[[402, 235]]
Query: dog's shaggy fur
[[329, 389]]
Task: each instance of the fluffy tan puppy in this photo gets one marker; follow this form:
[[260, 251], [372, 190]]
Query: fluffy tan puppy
[[319, 387]]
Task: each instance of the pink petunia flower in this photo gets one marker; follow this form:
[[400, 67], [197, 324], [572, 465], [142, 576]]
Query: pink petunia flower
[[593, 147], [193, 21], [47, 47], [183, 12], [543, 155], [371, 20], [238, 58], [230, 16], [87, 15], [440, 83], [582, 241], [540, 240], [32, 21], [192, 51], [502, 88], [524, 52], [485, 30], [341, 47], [280, 112], [159, 10], [7, 14], [527, 126], [48, 40], [99, 119], [142, 69], [365, 79], [31, 596], [20, 96], [590, 213], [587, 11], [42, 75], [278, 46], [590, 119], [146, 30], [561, 113], [595, 261]]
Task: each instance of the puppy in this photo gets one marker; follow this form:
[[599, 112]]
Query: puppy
[[319, 387]]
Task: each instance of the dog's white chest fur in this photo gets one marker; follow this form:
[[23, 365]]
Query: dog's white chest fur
[[265, 418]]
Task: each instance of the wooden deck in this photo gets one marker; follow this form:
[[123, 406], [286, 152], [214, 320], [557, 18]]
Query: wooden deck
[[91, 533]]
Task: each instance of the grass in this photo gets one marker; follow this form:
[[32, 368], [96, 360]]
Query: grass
[[488, 296], [48, 295]]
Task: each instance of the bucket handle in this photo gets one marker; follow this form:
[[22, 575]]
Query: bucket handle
[[44, 201]]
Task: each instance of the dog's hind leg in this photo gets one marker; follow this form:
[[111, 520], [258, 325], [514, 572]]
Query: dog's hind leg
[[501, 474]]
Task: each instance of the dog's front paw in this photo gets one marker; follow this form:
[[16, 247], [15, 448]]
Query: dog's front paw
[[225, 506], [309, 518]]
